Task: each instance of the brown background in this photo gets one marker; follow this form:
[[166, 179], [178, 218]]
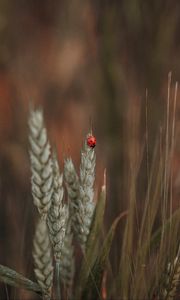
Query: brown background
[[81, 60]]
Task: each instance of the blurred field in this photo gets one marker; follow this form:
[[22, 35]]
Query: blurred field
[[82, 61]]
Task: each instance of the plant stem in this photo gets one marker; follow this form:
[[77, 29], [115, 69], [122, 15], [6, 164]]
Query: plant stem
[[57, 282]]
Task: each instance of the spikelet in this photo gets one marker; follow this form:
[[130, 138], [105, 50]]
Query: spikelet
[[43, 260], [41, 163], [67, 264], [172, 279], [57, 214], [87, 177]]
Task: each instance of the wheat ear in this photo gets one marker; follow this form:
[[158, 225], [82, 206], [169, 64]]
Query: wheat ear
[[57, 214], [80, 193], [41, 163], [87, 177], [43, 258], [172, 279]]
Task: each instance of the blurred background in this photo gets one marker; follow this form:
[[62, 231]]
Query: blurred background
[[105, 61]]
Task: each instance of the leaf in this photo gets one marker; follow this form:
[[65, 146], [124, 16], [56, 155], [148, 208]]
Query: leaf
[[93, 286], [11, 277], [90, 254]]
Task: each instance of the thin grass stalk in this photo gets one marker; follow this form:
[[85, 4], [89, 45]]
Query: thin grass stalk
[[172, 146], [127, 247], [147, 152], [143, 226], [167, 161], [57, 281], [142, 253], [148, 218]]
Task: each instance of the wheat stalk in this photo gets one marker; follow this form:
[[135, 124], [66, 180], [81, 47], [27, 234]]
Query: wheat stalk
[[43, 260], [41, 163], [57, 214]]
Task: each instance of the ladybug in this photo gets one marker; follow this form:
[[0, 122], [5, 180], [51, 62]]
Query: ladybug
[[91, 141]]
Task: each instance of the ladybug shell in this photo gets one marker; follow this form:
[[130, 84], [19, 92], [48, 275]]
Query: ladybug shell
[[91, 141]]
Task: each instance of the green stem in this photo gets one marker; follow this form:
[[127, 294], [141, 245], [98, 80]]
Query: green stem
[[57, 282]]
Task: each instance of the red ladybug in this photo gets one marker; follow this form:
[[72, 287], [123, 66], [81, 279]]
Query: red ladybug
[[91, 141]]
